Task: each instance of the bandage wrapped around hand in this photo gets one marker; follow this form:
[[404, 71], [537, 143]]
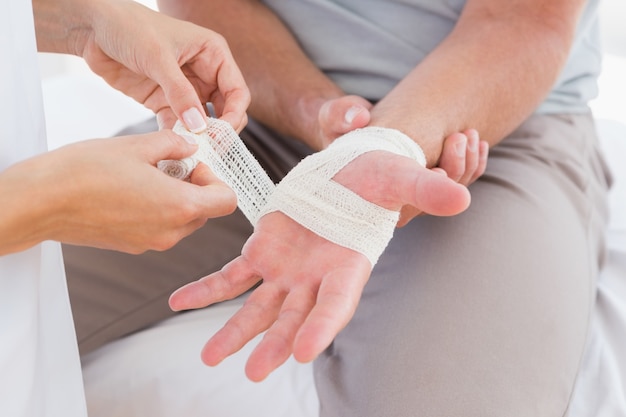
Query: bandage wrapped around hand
[[308, 194]]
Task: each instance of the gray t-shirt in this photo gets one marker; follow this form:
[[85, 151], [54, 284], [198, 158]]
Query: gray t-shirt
[[367, 46]]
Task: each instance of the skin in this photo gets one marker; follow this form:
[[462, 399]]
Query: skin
[[168, 65], [302, 308], [134, 207], [63, 195], [310, 293]]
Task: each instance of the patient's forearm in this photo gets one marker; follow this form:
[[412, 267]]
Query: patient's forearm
[[489, 74], [287, 89]]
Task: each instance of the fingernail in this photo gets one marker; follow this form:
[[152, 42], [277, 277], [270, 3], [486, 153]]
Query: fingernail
[[190, 139], [160, 122], [351, 113], [461, 147], [194, 120], [472, 140], [472, 145]]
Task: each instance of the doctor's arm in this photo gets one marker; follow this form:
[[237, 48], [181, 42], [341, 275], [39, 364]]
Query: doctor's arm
[[290, 94], [107, 193], [172, 67]]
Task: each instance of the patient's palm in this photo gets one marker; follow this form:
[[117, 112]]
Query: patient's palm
[[310, 287]]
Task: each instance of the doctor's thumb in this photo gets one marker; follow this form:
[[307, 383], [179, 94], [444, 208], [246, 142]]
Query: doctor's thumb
[[166, 144]]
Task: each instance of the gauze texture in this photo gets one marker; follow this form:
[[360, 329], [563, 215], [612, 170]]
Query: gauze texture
[[309, 195], [224, 152]]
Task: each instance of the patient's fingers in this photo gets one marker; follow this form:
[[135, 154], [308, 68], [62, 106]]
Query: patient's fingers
[[483, 155], [472, 157], [454, 156], [234, 279], [336, 303], [464, 156], [255, 316], [277, 344]]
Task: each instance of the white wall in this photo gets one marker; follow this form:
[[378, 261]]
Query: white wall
[[612, 14]]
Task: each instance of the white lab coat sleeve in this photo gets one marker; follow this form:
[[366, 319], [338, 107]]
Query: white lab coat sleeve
[[39, 364]]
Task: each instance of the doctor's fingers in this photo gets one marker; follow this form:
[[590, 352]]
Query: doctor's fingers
[[213, 197], [208, 74], [202, 198], [203, 202]]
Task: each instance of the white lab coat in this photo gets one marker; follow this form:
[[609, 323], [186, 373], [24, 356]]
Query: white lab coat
[[39, 363]]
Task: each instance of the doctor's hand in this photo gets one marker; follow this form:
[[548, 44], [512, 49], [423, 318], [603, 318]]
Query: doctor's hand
[[173, 67], [108, 193], [310, 287]]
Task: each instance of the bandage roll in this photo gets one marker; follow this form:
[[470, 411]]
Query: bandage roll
[[224, 152], [180, 169]]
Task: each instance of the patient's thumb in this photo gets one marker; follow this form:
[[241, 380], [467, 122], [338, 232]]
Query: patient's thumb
[[438, 195]]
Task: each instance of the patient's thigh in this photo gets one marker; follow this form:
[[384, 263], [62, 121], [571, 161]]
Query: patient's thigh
[[485, 313]]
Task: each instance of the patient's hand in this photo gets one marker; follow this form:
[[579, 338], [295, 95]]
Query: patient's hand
[[310, 287], [339, 116], [463, 158]]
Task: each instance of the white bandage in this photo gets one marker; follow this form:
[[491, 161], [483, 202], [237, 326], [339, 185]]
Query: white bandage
[[225, 153], [309, 195]]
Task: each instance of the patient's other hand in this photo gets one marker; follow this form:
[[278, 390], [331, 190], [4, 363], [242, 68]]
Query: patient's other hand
[[310, 287], [339, 116]]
